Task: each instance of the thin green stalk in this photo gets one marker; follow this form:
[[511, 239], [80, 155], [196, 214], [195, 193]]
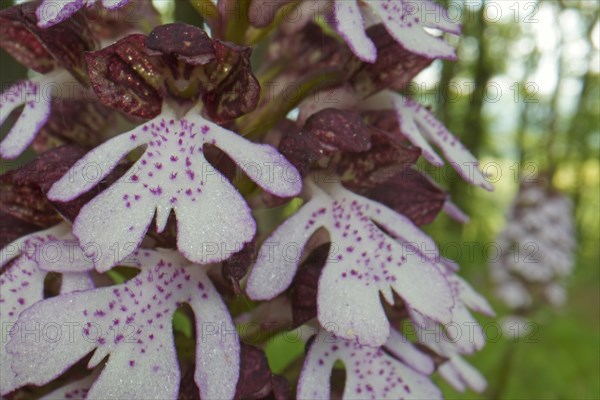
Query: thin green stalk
[[207, 10], [238, 22], [255, 35], [496, 392]]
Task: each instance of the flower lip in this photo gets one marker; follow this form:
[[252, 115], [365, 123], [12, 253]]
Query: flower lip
[[368, 261], [371, 373], [173, 174], [145, 355], [22, 285]]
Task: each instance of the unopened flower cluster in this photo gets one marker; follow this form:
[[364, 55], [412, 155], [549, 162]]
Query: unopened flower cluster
[[166, 154]]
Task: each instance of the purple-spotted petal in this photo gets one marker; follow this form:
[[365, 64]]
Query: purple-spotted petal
[[112, 225], [206, 230], [95, 166], [131, 324], [404, 20], [69, 257], [22, 285], [410, 129], [436, 16], [26, 244], [52, 12], [35, 113], [401, 228], [277, 261], [363, 262], [462, 336], [172, 174], [351, 26], [370, 373], [351, 308], [349, 293], [261, 162], [368, 257], [418, 124]]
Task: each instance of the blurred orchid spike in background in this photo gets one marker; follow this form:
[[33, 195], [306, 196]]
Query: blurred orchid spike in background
[[538, 244], [220, 199]]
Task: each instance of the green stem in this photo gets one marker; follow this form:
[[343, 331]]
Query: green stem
[[495, 392], [238, 22], [255, 35]]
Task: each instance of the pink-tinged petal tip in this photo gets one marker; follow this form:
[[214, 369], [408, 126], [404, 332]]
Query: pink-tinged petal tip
[[351, 26], [36, 111], [52, 12]]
